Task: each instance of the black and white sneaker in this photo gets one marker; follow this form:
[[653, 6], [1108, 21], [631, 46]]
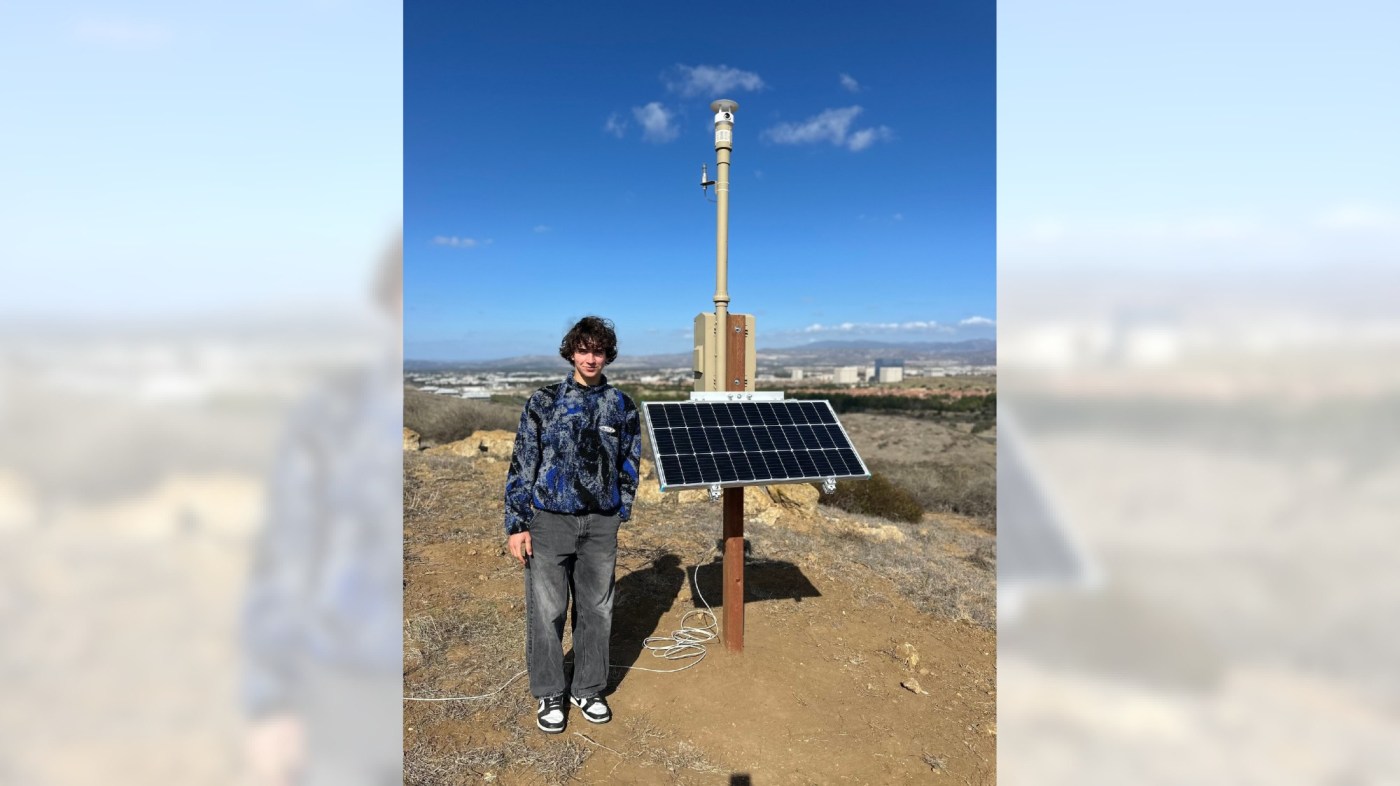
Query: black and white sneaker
[[550, 716], [594, 708]]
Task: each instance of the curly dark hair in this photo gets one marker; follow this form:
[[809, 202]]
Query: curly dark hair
[[593, 333]]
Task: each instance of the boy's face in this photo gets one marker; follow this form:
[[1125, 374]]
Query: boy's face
[[588, 364]]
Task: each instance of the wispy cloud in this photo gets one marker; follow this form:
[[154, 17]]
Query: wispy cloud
[[453, 241], [657, 122], [915, 326], [542, 229], [976, 321], [615, 125], [866, 137], [690, 81], [849, 82], [122, 34], [832, 125]]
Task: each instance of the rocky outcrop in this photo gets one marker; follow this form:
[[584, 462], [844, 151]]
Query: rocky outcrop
[[497, 443], [493, 444], [410, 440]]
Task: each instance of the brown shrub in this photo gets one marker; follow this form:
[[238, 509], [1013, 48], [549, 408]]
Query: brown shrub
[[878, 496], [969, 490]]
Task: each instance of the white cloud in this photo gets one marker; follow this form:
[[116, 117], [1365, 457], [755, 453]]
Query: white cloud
[[541, 229], [974, 321], [692, 81], [656, 121], [460, 242], [866, 137], [829, 126], [832, 125], [849, 82], [615, 125], [912, 326]]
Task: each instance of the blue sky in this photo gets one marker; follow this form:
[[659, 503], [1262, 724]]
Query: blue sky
[[164, 159], [552, 166]]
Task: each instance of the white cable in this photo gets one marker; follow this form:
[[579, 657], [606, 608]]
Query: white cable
[[685, 642]]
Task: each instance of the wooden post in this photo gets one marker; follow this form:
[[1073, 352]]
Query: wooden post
[[734, 501]]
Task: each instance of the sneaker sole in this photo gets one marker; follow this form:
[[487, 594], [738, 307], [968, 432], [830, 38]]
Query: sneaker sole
[[546, 730]]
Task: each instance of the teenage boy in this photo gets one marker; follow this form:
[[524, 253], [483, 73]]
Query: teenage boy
[[572, 480]]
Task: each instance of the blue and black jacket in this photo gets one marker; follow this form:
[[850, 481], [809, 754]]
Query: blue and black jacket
[[577, 451]]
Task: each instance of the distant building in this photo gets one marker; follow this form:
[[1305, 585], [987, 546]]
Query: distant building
[[890, 374], [846, 375], [796, 373], [889, 370]]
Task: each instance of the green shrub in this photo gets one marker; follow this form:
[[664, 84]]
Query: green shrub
[[875, 497]]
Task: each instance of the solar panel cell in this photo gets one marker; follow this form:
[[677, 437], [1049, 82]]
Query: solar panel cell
[[709, 473], [665, 444], [743, 470], [670, 466], [789, 462], [810, 412], [700, 444], [682, 439], [731, 439]]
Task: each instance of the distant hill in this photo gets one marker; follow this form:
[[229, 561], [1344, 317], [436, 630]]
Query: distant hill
[[978, 352]]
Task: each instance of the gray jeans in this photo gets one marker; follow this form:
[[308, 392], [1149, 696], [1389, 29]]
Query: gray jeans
[[573, 555]]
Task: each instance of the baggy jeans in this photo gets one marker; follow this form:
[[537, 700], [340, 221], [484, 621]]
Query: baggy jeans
[[573, 555]]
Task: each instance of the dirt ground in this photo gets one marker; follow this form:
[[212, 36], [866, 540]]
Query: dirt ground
[[846, 675]]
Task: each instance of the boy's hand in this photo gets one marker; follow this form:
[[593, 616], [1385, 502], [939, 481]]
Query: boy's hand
[[519, 545]]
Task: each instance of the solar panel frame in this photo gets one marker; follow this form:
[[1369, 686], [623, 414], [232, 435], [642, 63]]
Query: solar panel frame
[[693, 443]]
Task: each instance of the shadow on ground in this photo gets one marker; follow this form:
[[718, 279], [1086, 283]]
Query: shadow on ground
[[763, 580]]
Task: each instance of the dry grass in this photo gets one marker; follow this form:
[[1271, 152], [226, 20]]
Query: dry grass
[[653, 745], [947, 487], [944, 570], [426, 765], [443, 419]]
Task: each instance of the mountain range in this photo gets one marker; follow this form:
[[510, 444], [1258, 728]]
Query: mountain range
[[977, 352]]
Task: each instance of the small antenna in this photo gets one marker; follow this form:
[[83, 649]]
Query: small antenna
[[705, 183]]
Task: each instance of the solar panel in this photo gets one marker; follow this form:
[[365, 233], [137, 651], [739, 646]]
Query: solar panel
[[697, 444]]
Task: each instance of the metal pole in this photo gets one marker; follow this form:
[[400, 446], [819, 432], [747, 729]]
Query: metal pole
[[724, 110], [727, 378]]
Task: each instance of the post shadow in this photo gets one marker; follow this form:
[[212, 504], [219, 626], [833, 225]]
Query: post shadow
[[764, 579]]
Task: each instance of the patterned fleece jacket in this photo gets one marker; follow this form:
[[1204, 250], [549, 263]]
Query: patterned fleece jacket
[[577, 451]]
